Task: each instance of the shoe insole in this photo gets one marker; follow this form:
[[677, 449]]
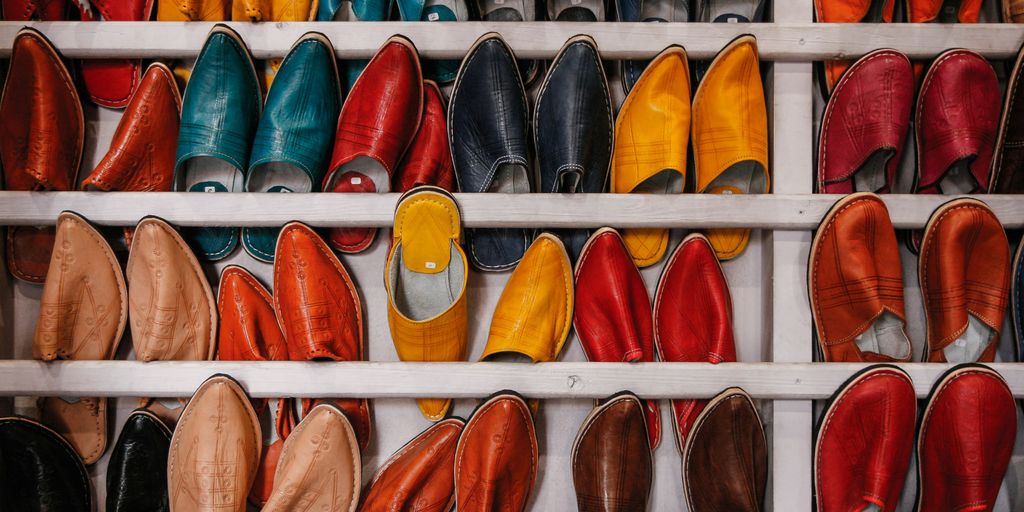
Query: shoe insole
[[510, 179], [666, 181], [568, 182], [349, 176], [969, 346], [209, 174], [665, 10], [576, 10], [420, 296], [746, 177], [345, 12], [505, 10], [870, 177], [444, 10], [949, 12], [508, 357], [958, 179], [278, 177], [731, 11], [886, 337]]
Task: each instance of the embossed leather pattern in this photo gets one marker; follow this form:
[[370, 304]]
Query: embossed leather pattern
[[30, 10], [429, 160], [1008, 161], [418, 476], [193, 10], [1013, 11], [849, 11], [864, 442], [137, 470], [612, 464], [112, 82], [41, 471]]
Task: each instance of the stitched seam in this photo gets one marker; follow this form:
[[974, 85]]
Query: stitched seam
[[533, 443]]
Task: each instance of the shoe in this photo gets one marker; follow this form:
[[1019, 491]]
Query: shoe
[[82, 315], [112, 82], [137, 470], [320, 466], [517, 10], [215, 449], [964, 275], [418, 474], [193, 10], [440, 71], [725, 461], [730, 135], [292, 143], [970, 408], [855, 284], [863, 442], [219, 115], [693, 317], [864, 128], [1017, 299], [576, 10], [651, 136], [428, 161], [41, 470], [496, 457], [275, 11], [39, 158], [725, 11], [941, 11], [34, 10], [650, 11], [612, 315], [838, 11], [354, 10], [487, 131], [612, 464], [1007, 176], [1013, 11], [425, 279], [572, 128], [320, 312]]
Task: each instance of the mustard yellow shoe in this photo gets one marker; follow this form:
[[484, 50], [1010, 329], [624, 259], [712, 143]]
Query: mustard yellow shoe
[[193, 10], [425, 278], [730, 135], [651, 135], [273, 10]]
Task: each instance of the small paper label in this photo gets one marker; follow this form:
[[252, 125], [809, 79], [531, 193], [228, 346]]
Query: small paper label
[[430, 264], [209, 189], [733, 20], [357, 181], [433, 16]]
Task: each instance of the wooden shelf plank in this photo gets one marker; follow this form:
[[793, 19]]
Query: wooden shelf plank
[[778, 41], [783, 381]]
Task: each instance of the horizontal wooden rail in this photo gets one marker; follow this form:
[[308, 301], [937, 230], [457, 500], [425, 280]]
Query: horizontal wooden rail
[[767, 211], [777, 42], [785, 381]]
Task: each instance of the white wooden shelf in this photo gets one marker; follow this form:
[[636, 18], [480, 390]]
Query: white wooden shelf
[[776, 41], [779, 381], [767, 211]]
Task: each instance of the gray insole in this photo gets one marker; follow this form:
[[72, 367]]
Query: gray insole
[[508, 357], [345, 12], [969, 346], [563, 10], [871, 176], [206, 169], [885, 336], [457, 7], [747, 176], [665, 10], [510, 179], [718, 8], [958, 179], [366, 166], [273, 175], [421, 296], [507, 10], [666, 181]]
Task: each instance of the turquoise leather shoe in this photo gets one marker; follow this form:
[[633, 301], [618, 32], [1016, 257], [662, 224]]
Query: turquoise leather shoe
[[356, 10], [442, 71], [219, 113], [296, 131]]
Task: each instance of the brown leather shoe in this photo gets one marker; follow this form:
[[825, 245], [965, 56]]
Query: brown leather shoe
[[419, 476], [964, 274], [320, 467], [611, 460], [496, 458], [725, 462], [82, 315], [215, 450], [1007, 175], [855, 283], [42, 133]]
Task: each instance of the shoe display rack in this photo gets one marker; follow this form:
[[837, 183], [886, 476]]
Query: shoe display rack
[[772, 320]]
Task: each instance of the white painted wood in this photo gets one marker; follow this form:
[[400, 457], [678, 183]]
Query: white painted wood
[[795, 41], [784, 211]]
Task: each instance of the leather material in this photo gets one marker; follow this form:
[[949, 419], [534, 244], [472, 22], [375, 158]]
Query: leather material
[[219, 116], [487, 131], [137, 471], [847, 11], [37, 156], [612, 464], [170, 303], [295, 130], [82, 315], [972, 409], [864, 442], [364, 10], [273, 10], [496, 457], [573, 127], [854, 277], [1008, 160], [964, 271], [320, 311], [633, 11], [1017, 299], [30, 10], [612, 317], [41, 471], [418, 476], [693, 318], [427, 229], [730, 127], [651, 136], [429, 160], [929, 11], [112, 82], [215, 449], [1013, 11], [725, 460], [867, 119], [193, 10], [320, 466], [378, 121]]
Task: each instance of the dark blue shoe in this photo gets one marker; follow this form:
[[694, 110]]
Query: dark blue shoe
[[718, 11], [1017, 299], [650, 11]]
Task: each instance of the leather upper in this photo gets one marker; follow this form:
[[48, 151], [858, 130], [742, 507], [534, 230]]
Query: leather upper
[[612, 464], [926, 11], [849, 11], [971, 408], [429, 160], [693, 317], [1017, 298], [419, 475], [112, 82], [41, 471], [170, 303], [193, 10], [864, 442], [725, 460], [137, 470], [364, 10], [487, 131], [1013, 11], [854, 278], [215, 449], [1008, 161], [29, 10], [866, 120], [496, 457], [273, 10], [612, 314], [964, 272]]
